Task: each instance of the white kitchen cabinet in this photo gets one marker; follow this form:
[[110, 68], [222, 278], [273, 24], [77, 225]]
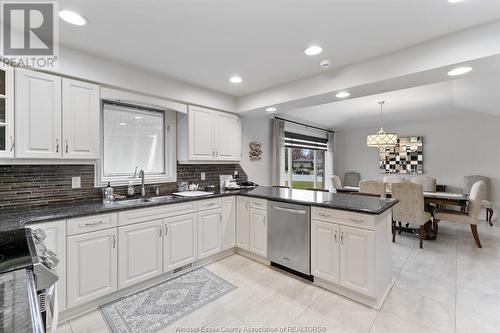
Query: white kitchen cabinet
[[92, 267], [38, 115], [357, 260], [80, 116], [201, 133], [179, 241], [258, 231], [325, 250], [6, 112], [208, 135], [209, 232], [243, 223], [140, 252], [228, 222], [56, 242]]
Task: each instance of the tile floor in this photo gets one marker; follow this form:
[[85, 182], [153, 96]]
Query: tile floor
[[449, 286]]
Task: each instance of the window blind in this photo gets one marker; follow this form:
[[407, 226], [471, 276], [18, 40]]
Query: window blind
[[295, 140]]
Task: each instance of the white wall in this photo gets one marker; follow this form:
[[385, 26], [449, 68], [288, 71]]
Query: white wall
[[257, 129], [454, 146]]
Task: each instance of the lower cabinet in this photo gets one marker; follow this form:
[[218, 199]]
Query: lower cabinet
[[179, 241], [243, 223], [56, 242], [209, 232], [344, 255], [92, 269], [139, 252], [258, 231], [228, 223]]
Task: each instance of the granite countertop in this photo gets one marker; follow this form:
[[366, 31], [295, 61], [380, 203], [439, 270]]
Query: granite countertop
[[356, 203], [16, 312]]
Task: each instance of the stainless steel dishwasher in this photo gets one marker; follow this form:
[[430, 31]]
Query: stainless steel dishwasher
[[289, 236]]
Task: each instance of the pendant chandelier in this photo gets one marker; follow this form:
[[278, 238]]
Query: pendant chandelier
[[382, 139]]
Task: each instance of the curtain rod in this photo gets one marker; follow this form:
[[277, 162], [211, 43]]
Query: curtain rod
[[299, 123]]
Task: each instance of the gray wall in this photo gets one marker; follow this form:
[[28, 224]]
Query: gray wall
[[455, 146]]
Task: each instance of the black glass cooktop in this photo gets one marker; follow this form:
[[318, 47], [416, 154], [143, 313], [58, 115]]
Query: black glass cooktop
[[14, 251]]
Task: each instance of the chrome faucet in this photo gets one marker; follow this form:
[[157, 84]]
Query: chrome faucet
[[143, 190]]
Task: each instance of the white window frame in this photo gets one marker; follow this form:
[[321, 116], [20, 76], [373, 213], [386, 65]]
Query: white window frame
[[170, 153]]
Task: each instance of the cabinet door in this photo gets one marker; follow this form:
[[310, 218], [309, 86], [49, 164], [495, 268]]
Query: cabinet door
[[139, 252], [80, 114], [325, 250], [209, 232], [92, 269], [258, 232], [56, 242], [226, 136], [179, 247], [38, 115], [243, 223], [201, 133], [228, 223], [6, 112], [357, 260]]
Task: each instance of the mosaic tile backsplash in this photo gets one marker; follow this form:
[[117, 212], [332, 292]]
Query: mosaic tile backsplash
[[25, 186]]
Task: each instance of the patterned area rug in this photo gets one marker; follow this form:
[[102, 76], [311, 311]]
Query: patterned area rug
[[155, 308]]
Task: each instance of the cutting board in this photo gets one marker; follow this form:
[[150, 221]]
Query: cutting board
[[192, 193]]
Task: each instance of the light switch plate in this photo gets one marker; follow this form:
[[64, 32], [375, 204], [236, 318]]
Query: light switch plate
[[202, 176], [76, 182]]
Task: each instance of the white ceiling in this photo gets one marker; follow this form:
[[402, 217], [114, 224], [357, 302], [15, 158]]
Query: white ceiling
[[480, 93], [205, 42]]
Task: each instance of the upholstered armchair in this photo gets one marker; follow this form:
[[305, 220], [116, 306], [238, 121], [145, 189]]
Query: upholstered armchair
[[429, 184], [375, 187], [336, 182], [410, 208], [468, 182], [477, 195], [351, 179]]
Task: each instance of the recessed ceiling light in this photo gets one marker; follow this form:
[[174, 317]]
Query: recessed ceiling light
[[313, 50], [271, 109], [343, 94], [459, 71], [137, 117], [123, 124], [235, 79], [72, 17], [455, 1]]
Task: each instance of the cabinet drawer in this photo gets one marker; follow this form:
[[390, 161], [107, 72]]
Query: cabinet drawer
[[343, 217], [209, 204], [258, 203], [155, 213], [91, 223]]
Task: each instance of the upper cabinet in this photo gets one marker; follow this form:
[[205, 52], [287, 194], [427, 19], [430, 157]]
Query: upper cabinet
[[56, 117], [208, 135], [6, 112]]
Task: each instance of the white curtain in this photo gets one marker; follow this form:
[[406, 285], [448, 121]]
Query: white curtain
[[329, 157], [278, 139]]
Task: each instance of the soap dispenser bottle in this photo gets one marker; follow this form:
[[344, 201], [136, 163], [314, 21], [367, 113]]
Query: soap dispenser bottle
[[108, 194]]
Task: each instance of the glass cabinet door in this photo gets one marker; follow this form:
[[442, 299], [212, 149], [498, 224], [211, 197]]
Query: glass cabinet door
[[6, 113]]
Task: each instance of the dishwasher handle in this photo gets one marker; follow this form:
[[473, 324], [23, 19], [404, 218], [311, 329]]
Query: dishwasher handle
[[289, 210]]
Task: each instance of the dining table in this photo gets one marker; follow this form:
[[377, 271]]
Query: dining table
[[437, 199]]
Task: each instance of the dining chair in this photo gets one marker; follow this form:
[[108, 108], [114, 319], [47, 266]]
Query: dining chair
[[351, 179], [477, 195], [410, 208], [468, 182], [389, 180], [372, 187], [336, 182], [429, 184]]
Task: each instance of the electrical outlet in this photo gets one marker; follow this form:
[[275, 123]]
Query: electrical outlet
[[202, 176], [76, 182]]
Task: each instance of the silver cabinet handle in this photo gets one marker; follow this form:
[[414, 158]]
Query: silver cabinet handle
[[66, 146], [264, 220], [257, 203], [246, 204], [216, 154], [342, 238], [211, 204], [356, 220], [323, 215], [92, 224], [114, 241], [160, 230], [220, 218], [166, 230], [11, 143], [335, 236], [57, 145], [294, 211]]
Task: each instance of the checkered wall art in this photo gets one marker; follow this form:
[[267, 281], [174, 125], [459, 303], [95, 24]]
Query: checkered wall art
[[405, 158]]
